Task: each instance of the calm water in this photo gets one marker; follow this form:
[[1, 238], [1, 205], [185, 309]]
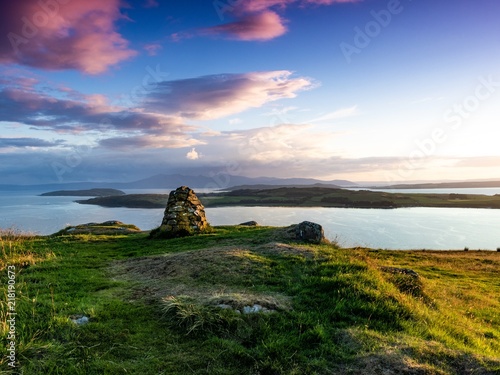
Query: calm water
[[408, 228]]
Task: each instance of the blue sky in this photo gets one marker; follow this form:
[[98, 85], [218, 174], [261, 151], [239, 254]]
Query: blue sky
[[331, 89]]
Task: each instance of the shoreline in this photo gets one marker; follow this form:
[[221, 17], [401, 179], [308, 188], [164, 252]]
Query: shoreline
[[308, 197]]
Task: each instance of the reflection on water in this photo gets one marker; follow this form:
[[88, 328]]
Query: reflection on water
[[405, 228]]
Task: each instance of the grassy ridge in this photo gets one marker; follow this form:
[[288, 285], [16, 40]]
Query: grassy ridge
[[153, 309], [308, 197], [328, 197]]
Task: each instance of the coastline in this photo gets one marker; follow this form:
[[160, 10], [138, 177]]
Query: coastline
[[308, 197]]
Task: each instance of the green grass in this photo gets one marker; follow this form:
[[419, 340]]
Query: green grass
[[153, 308]]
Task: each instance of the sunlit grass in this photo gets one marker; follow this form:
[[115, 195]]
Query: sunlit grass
[[17, 249], [153, 306]]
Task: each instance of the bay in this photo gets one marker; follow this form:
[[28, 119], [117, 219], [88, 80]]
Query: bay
[[404, 228]]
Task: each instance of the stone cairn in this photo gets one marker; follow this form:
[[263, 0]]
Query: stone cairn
[[184, 215]]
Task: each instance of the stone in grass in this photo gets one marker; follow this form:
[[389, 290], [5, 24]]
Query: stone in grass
[[79, 319], [184, 215], [111, 227], [255, 309], [251, 223], [223, 306], [309, 232]]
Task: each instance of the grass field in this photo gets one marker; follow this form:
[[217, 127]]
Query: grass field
[[154, 306]]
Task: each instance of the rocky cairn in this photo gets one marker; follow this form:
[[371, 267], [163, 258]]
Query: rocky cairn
[[184, 215]]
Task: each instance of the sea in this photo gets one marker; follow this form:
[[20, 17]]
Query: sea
[[398, 229]]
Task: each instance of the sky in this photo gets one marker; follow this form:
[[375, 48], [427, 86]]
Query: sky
[[363, 90]]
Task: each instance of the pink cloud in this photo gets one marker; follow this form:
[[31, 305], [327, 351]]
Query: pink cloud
[[59, 35], [260, 26], [260, 5], [330, 2], [216, 96], [256, 19], [70, 113], [161, 120]]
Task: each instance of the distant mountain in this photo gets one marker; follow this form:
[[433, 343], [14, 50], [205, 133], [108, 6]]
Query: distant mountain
[[223, 181], [172, 181], [445, 185], [229, 182]]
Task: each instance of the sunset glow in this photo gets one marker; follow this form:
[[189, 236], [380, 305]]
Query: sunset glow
[[362, 90]]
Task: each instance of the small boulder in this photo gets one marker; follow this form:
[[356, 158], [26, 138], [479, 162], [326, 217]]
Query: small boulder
[[310, 232], [79, 319], [251, 223], [255, 309], [111, 227]]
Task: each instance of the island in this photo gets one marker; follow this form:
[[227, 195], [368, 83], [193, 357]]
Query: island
[[98, 192], [307, 197], [129, 201]]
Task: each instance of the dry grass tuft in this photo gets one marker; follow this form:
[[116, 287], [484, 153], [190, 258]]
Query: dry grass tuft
[[405, 355], [16, 249]]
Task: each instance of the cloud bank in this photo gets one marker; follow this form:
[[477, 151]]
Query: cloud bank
[[26, 142], [216, 96], [160, 121], [62, 34], [259, 26]]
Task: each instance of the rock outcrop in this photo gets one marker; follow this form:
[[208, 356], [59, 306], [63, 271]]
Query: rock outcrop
[[251, 223], [310, 232], [305, 231], [184, 215], [112, 227]]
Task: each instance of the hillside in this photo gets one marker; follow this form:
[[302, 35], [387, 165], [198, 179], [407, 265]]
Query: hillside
[[125, 304], [307, 197]]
